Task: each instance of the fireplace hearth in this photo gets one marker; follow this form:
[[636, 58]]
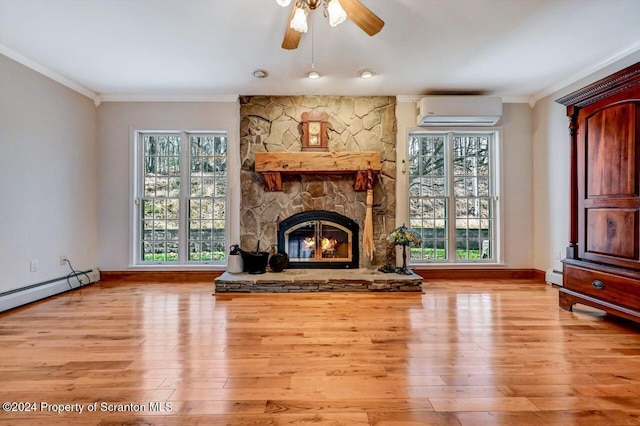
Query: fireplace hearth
[[318, 280], [320, 239]]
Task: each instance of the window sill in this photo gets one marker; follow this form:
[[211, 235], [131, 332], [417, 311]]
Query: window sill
[[207, 267], [457, 266]]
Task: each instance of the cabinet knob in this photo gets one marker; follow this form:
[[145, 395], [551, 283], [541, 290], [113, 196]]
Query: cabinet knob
[[598, 284]]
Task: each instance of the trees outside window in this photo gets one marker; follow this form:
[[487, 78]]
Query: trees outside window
[[181, 198], [453, 196]]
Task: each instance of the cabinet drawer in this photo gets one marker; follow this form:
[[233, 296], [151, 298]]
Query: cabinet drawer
[[622, 291]]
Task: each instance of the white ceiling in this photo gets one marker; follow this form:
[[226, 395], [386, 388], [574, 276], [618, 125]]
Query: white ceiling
[[518, 49]]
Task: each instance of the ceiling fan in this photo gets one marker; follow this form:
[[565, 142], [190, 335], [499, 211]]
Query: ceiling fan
[[336, 10]]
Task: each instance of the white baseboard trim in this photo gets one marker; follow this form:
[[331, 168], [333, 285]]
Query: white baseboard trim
[[19, 297], [553, 277]]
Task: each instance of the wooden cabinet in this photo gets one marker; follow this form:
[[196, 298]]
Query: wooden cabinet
[[602, 268]]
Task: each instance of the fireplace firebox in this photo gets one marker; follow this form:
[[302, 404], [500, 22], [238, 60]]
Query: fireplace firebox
[[319, 239]]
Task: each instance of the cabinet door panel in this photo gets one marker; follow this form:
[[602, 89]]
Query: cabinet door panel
[[611, 152], [609, 201], [613, 232]]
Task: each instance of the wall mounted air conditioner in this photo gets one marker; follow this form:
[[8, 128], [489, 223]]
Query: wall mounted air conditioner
[[459, 110]]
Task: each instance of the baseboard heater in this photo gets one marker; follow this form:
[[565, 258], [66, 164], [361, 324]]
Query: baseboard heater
[[553, 277], [21, 296]]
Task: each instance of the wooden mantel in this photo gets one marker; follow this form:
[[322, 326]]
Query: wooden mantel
[[273, 164]]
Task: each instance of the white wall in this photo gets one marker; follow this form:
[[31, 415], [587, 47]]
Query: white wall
[[116, 122], [517, 180], [551, 184], [48, 178], [551, 151]]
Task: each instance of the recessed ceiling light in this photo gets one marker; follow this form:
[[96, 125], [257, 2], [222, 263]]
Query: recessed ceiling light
[[260, 74], [313, 75], [366, 73]]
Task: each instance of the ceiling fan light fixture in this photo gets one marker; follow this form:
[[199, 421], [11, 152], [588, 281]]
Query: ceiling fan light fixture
[[313, 75], [283, 3], [337, 15], [366, 73], [299, 21]]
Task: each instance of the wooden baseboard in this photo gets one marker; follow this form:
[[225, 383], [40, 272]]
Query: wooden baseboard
[[463, 274], [539, 275], [209, 276], [160, 276]]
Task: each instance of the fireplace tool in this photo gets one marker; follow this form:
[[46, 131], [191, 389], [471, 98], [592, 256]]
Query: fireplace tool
[[255, 262], [367, 238], [279, 260]]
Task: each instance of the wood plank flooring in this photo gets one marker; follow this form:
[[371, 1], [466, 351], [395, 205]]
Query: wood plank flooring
[[465, 352]]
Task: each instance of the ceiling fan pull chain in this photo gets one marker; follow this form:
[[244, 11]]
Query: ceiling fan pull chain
[[313, 66]]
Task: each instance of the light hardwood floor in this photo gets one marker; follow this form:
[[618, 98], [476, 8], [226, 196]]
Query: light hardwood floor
[[463, 353]]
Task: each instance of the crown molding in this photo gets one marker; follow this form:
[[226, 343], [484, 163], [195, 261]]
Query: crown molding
[[59, 78], [624, 80], [123, 97], [505, 99], [116, 97], [515, 99], [630, 50], [409, 98]]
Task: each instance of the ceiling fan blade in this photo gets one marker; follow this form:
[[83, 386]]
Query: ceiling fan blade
[[362, 17], [291, 36]]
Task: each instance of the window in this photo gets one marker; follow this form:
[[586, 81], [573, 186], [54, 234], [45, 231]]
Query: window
[[180, 198], [453, 196]]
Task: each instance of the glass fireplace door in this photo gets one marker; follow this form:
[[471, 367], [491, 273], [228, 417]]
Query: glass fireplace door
[[318, 241]]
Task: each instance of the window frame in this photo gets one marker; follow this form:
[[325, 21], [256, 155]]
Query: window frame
[[495, 185], [137, 195]]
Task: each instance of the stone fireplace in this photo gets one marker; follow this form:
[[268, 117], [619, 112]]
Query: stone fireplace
[[271, 124], [320, 239]]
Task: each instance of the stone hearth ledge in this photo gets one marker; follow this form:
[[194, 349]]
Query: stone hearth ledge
[[317, 280]]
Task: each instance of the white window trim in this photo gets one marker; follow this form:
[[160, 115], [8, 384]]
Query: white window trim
[[402, 196], [232, 233]]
